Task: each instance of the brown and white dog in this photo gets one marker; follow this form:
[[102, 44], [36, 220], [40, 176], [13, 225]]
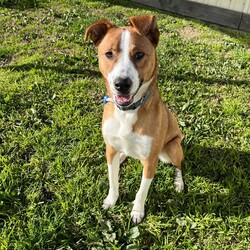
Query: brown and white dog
[[135, 121]]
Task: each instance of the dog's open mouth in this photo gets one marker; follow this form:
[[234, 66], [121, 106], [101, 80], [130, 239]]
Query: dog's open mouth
[[124, 100]]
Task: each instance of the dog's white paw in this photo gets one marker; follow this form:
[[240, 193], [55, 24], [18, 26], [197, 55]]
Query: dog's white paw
[[109, 201], [137, 216], [179, 184]]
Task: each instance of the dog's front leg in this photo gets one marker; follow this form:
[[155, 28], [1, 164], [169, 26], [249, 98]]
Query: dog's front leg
[[137, 213], [113, 160]]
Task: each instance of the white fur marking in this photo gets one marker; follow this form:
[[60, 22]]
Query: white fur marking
[[137, 213], [164, 157], [142, 90], [125, 41], [118, 132], [113, 194]]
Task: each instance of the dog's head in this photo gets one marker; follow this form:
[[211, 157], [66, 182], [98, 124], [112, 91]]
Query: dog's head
[[127, 57]]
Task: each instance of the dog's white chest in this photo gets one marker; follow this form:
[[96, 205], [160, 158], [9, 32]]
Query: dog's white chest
[[118, 132]]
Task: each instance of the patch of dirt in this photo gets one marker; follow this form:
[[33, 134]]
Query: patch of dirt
[[189, 32]]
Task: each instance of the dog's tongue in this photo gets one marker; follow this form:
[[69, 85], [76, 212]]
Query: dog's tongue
[[123, 100]]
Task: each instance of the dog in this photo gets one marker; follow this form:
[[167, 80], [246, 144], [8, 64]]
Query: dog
[[135, 122]]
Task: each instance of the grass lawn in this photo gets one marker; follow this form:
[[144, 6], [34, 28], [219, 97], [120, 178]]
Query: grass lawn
[[53, 175]]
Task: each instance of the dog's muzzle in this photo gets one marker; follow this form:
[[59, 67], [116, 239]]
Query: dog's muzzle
[[123, 86]]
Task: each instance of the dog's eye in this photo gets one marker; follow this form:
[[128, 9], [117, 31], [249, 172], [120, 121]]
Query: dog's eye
[[139, 55], [109, 54]]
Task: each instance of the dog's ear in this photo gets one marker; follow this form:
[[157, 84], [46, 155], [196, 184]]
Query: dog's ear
[[146, 26], [98, 30]]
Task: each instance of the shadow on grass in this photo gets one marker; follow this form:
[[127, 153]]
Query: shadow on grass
[[20, 4], [63, 69], [192, 77], [217, 182]]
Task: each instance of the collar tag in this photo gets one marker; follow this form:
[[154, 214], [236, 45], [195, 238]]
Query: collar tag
[[105, 99]]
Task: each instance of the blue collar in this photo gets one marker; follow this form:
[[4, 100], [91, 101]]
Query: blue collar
[[130, 107]]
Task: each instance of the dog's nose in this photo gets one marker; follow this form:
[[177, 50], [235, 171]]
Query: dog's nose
[[123, 85]]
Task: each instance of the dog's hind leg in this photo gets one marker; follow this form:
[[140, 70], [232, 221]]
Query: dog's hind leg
[[172, 153], [113, 160]]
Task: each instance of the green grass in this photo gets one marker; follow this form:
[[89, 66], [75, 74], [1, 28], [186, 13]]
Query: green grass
[[53, 175]]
